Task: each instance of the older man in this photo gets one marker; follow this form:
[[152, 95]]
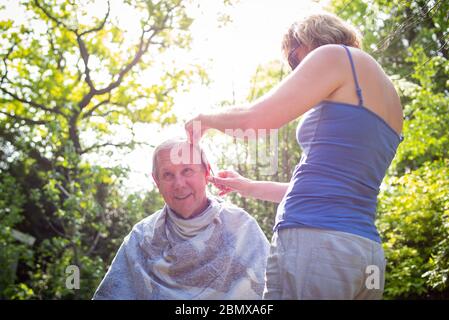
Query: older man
[[196, 247]]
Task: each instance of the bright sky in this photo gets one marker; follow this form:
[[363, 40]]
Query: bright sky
[[230, 54], [235, 50]]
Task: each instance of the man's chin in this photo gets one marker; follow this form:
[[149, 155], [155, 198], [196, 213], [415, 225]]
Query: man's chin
[[184, 210], [183, 213]]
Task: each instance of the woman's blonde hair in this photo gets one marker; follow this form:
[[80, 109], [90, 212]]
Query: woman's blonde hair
[[318, 30]]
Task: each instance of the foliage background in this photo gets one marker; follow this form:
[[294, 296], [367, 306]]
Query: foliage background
[[64, 81]]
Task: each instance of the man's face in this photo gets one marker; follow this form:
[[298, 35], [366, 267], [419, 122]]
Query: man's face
[[183, 186]]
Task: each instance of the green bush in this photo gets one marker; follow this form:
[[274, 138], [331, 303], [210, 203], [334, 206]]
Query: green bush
[[414, 223]]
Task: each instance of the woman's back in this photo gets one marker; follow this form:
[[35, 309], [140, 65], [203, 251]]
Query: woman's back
[[379, 94], [347, 148]]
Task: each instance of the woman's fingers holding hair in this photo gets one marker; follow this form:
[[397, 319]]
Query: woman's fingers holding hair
[[228, 181], [228, 174], [195, 129], [222, 181]]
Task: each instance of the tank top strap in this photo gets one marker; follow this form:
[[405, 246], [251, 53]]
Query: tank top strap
[[357, 87]]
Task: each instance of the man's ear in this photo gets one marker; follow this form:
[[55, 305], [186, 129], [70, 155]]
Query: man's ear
[[208, 170], [155, 180]]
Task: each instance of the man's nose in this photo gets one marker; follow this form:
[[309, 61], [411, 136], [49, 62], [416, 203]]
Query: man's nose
[[179, 181]]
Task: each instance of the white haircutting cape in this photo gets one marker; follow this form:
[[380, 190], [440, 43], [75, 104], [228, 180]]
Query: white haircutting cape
[[220, 254]]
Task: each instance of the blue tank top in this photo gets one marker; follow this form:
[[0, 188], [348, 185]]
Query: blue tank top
[[347, 149]]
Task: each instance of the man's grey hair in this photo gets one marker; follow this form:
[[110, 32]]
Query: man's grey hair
[[171, 143]]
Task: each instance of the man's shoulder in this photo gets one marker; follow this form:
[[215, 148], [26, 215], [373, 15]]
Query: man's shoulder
[[147, 221], [230, 210]]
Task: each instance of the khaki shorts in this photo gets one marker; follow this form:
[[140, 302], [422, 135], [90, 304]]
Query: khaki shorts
[[307, 263]]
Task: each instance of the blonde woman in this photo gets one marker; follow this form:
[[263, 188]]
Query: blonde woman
[[325, 244]]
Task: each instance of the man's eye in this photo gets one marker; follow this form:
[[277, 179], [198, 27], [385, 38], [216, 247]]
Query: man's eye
[[188, 172], [167, 176]]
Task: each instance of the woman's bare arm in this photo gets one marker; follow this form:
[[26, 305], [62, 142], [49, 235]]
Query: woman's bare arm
[[297, 93], [230, 181]]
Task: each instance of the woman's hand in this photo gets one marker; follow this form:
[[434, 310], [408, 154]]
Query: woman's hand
[[195, 129], [230, 181]]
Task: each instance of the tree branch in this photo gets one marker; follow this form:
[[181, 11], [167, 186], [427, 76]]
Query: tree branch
[[85, 54], [143, 47], [52, 18], [26, 120], [94, 244], [5, 75], [106, 144], [101, 26], [98, 105], [51, 225], [73, 133], [85, 57], [121, 105], [32, 103], [105, 114]]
